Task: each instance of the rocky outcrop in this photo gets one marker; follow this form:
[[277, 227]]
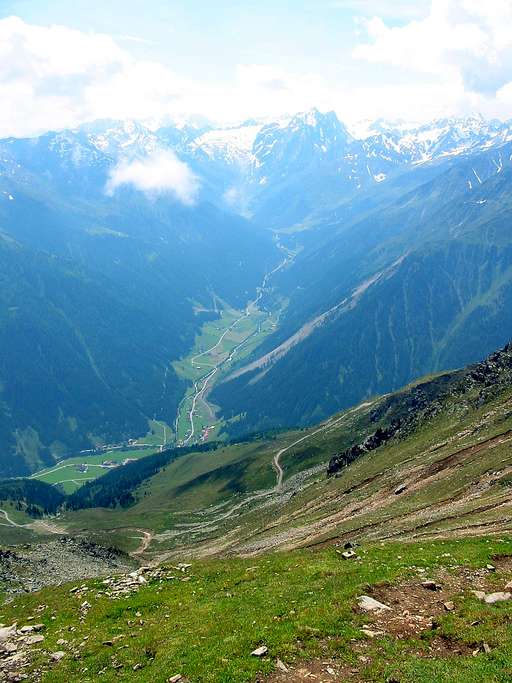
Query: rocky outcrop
[[399, 414], [379, 437]]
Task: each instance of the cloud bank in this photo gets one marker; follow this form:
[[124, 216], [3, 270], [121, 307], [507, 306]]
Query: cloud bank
[[160, 173], [466, 40], [453, 57]]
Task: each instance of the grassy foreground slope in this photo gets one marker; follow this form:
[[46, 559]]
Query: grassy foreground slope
[[204, 623], [428, 497]]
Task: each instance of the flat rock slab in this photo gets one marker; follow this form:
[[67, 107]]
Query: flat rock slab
[[369, 604], [491, 598]]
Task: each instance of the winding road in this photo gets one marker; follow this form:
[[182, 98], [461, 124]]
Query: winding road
[[202, 384], [11, 521], [35, 526]]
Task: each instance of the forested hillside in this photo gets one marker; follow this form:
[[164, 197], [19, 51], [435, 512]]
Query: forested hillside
[[420, 284]]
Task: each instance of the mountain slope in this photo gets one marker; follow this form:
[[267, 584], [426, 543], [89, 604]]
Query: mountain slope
[[419, 285], [446, 438], [109, 291]]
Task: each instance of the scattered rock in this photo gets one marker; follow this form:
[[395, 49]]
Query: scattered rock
[[486, 648], [26, 629], [348, 554], [281, 666], [430, 585], [479, 594], [491, 598], [371, 633], [490, 567], [260, 651], [9, 648], [369, 604], [32, 640], [400, 489], [449, 606], [7, 632], [175, 678], [57, 656]]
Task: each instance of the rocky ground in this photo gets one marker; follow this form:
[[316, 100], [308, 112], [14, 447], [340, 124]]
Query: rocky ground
[[17, 642], [409, 610], [29, 568]]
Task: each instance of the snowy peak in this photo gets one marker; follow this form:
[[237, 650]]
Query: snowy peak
[[424, 142], [232, 146], [121, 138]]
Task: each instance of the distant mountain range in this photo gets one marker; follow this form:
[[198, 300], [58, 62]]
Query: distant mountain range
[[403, 267]]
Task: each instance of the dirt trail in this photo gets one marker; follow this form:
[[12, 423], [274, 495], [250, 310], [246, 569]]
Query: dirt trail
[[261, 497], [276, 459], [145, 541], [38, 525]]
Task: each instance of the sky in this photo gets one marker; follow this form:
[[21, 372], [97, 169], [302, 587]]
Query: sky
[[63, 63]]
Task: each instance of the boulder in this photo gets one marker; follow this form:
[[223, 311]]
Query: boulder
[[369, 604], [260, 651], [497, 597], [6, 632], [32, 640], [57, 656]]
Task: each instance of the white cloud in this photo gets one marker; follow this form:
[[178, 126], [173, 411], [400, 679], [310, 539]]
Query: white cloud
[[466, 40], [452, 59], [161, 172], [55, 77]]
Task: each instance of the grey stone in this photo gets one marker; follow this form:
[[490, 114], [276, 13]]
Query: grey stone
[[369, 604]]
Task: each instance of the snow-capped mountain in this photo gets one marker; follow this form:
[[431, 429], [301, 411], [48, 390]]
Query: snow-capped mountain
[[233, 146], [314, 149], [279, 172], [441, 137], [121, 138]]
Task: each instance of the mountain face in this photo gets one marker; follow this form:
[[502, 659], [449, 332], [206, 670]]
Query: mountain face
[[421, 283], [285, 173]]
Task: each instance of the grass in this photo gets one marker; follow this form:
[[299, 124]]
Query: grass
[[299, 604], [360, 501], [159, 434], [67, 474]]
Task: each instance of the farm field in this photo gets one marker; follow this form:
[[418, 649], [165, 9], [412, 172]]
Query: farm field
[[221, 344], [70, 475]]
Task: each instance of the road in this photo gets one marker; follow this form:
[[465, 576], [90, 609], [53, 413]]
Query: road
[[264, 495], [35, 526], [11, 521], [202, 384], [276, 459], [144, 543]]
